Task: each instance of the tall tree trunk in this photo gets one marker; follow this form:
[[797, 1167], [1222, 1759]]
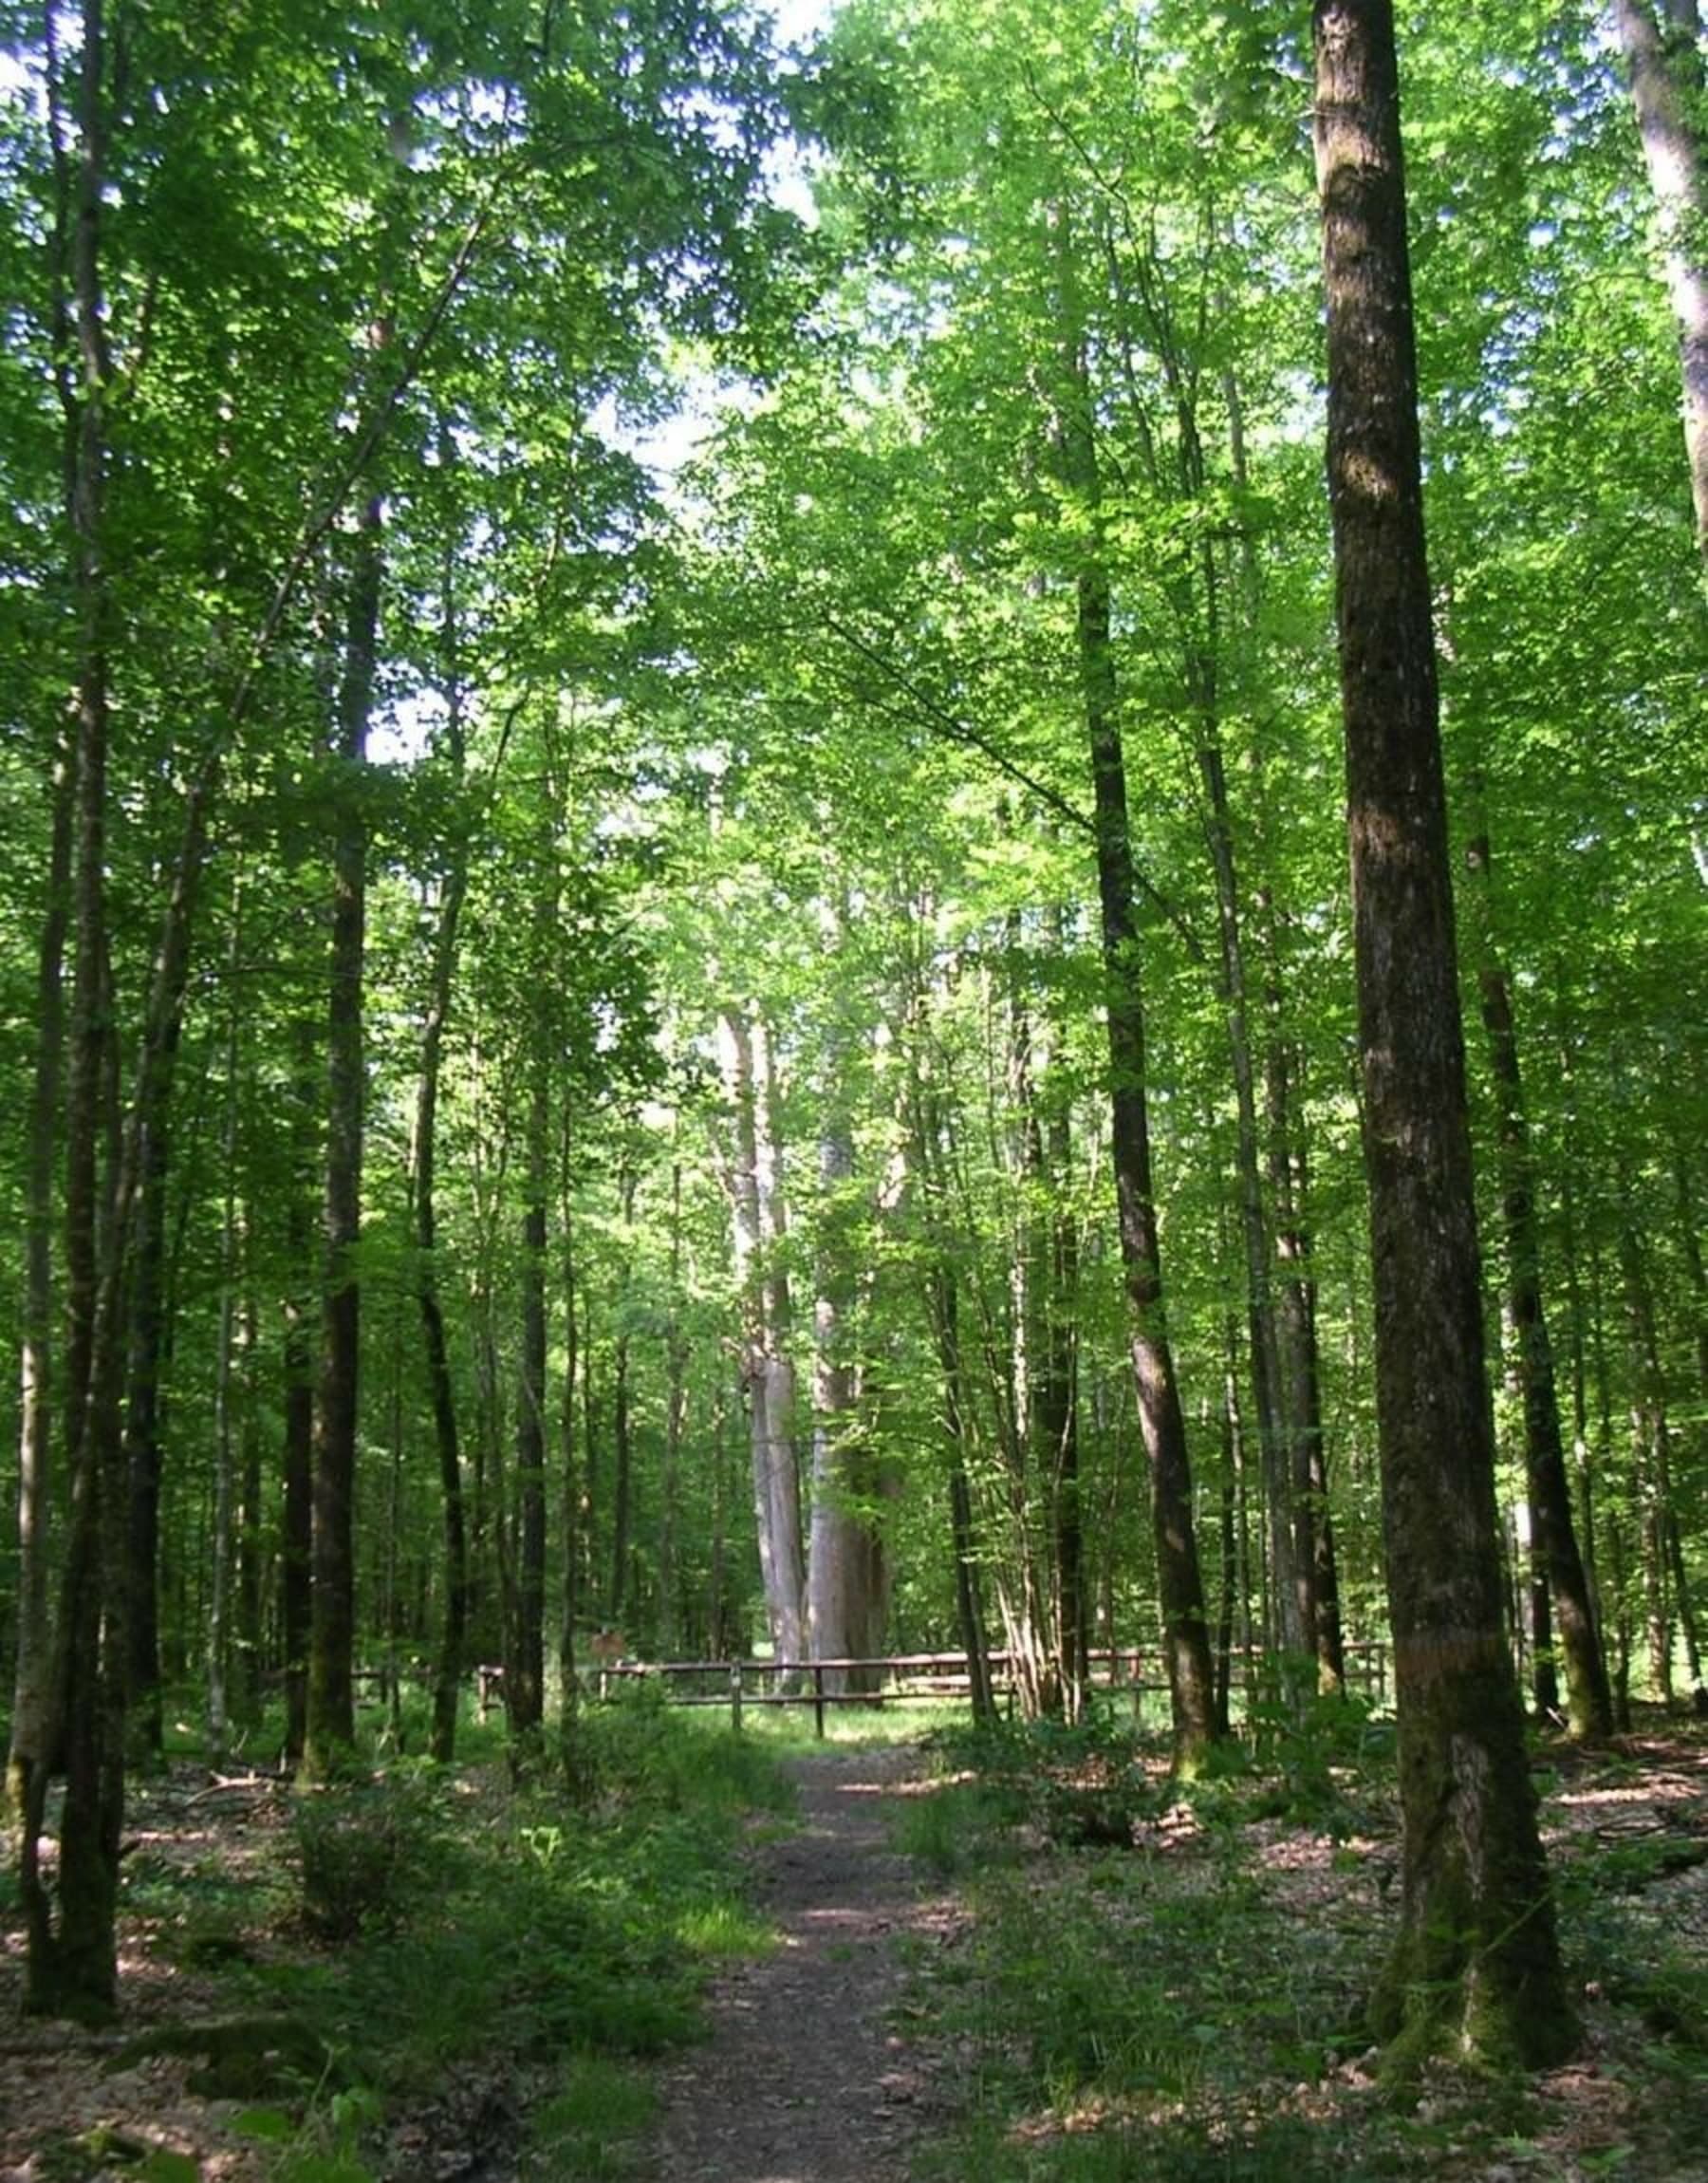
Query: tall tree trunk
[[1476, 1966], [675, 1429], [331, 1719], [1589, 1699], [1292, 1554], [32, 1673], [1056, 1419], [962, 1525], [144, 1440], [524, 1668], [574, 1566], [1162, 1424], [757, 1225], [623, 1479], [1662, 45], [72, 1964], [223, 1556], [622, 1439], [442, 1388], [1296, 1335], [296, 1534], [1652, 1434], [847, 1572], [252, 1537]]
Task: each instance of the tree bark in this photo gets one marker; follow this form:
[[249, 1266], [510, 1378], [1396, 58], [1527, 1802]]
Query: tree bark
[[1662, 46], [331, 1715], [442, 1390], [757, 1224], [32, 1675], [525, 1676], [1476, 1966], [296, 1532], [1588, 1699], [71, 1966], [1162, 1424]]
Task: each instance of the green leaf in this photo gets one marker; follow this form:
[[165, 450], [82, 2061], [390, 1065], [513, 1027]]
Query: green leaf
[[164, 2167], [267, 2125]]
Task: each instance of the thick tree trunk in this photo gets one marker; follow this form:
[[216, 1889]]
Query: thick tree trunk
[[1476, 1966], [1662, 45], [757, 1227], [331, 1720], [71, 1966], [845, 1575]]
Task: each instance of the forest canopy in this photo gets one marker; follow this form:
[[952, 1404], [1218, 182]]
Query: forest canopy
[[679, 968]]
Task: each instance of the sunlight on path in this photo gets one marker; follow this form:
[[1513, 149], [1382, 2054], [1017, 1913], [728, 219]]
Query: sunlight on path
[[804, 2080]]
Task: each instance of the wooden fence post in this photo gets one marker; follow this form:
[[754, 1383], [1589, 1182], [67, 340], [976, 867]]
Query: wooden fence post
[[735, 1696]]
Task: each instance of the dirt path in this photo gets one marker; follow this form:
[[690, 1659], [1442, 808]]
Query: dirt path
[[804, 2078]]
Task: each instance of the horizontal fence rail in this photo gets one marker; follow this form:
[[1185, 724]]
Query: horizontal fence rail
[[887, 1678]]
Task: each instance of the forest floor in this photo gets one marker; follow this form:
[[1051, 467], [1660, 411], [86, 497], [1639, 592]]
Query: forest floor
[[934, 1963], [809, 2075]]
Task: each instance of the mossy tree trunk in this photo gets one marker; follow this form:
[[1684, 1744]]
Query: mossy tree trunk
[[1476, 1969]]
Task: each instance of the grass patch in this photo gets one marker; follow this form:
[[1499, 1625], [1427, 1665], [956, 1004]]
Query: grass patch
[[1170, 1982], [590, 2128], [465, 1947]]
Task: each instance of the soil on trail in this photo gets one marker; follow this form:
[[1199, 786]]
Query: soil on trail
[[805, 2078]]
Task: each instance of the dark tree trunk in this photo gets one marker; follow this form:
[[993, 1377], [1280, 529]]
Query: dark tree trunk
[[32, 1678], [72, 1962], [252, 1530], [143, 1445], [296, 1536], [1476, 1966], [1161, 1418], [1058, 1424], [622, 1441], [1162, 1424], [525, 1677], [1297, 1353], [331, 1722], [448, 1668], [1588, 1699], [963, 1528]]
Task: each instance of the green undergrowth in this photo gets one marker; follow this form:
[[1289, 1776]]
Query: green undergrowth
[[435, 1926], [1171, 1982]]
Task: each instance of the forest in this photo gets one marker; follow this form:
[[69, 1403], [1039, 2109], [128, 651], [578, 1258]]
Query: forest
[[875, 835]]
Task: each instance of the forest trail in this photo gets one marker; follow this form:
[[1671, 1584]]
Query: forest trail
[[805, 2078]]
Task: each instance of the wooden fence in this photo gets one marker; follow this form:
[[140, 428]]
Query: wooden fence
[[910, 1677]]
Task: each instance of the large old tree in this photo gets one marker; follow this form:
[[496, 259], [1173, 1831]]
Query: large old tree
[[1476, 1966]]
